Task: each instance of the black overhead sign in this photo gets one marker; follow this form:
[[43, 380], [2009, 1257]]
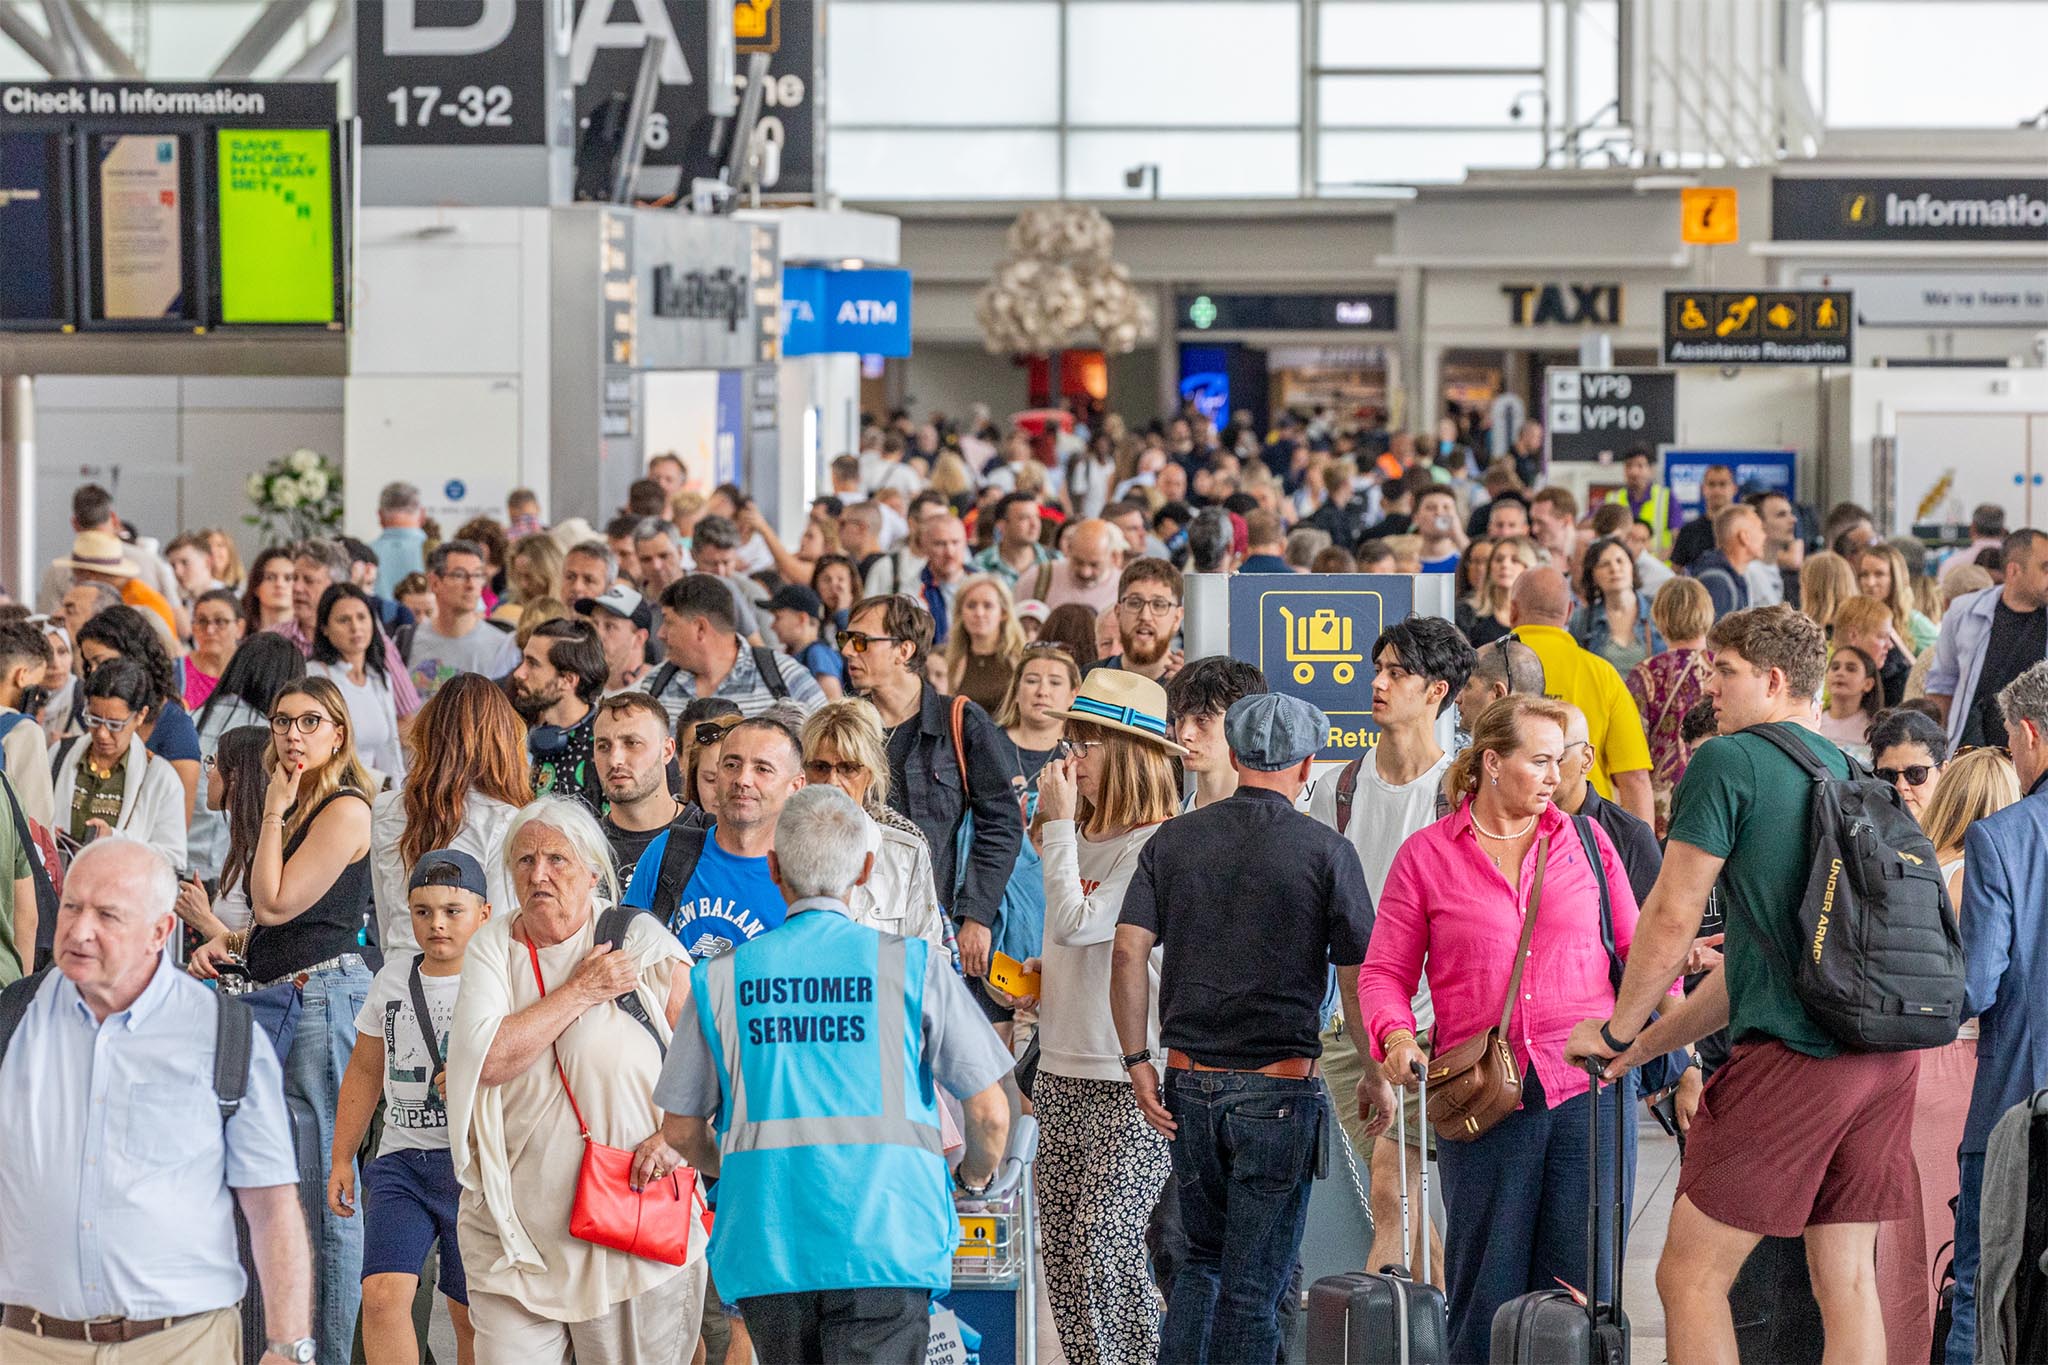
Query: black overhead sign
[[227, 104], [1922, 209], [455, 73], [1365, 312], [1757, 327], [1598, 416]]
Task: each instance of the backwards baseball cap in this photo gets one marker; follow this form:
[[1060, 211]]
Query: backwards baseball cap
[[622, 601], [797, 597], [432, 870], [1271, 732]]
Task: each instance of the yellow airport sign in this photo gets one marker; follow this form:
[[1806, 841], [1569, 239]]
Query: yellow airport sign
[[1707, 215]]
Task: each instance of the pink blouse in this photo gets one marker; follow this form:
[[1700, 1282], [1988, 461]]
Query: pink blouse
[[1448, 908]]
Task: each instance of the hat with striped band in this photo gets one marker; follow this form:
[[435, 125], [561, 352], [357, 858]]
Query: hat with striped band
[[1127, 702]]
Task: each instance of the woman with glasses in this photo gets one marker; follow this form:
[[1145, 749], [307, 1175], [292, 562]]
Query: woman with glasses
[[267, 600], [309, 891], [983, 652], [1032, 713], [348, 651], [1100, 1165], [250, 682], [216, 633], [842, 743], [126, 633], [1908, 750], [1973, 784], [109, 781]]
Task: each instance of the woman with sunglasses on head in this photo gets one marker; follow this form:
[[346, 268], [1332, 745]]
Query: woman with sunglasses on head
[[250, 682], [309, 892], [843, 746], [700, 729], [1100, 1164], [216, 633], [108, 780], [126, 633], [348, 651], [267, 598]]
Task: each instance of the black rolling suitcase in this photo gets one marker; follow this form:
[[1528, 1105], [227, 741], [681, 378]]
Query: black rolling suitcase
[[1389, 1318], [1555, 1326]]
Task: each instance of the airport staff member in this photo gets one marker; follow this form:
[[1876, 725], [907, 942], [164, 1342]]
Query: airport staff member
[[127, 1153], [815, 1058]]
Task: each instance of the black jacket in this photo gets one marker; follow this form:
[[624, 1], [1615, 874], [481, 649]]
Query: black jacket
[[936, 799]]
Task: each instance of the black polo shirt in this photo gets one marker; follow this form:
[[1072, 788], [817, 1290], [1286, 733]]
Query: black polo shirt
[[1252, 901], [1634, 841]]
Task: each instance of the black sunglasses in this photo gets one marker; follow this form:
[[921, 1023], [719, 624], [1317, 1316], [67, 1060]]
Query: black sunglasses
[[713, 731], [1914, 773]]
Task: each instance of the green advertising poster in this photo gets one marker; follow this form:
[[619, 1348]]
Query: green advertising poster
[[277, 250]]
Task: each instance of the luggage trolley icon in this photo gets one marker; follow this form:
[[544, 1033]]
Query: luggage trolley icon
[[1322, 637]]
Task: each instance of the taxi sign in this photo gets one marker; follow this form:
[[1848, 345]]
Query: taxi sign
[[1312, 636], [1707, 215]]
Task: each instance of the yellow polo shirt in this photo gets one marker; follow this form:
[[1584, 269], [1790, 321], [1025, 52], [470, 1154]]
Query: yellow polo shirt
[[1589, 682]]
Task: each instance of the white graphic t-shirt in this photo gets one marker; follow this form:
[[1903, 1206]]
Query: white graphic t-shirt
[[415, 1113]]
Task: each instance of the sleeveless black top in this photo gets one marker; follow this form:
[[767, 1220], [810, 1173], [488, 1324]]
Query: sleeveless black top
[[327, 928]]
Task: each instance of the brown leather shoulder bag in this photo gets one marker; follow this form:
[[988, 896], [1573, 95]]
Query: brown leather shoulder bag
[[1475, 1085]]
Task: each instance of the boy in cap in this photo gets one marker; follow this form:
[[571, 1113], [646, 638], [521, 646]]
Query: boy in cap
[[410, 1189], [1248, 941], [798, 618]]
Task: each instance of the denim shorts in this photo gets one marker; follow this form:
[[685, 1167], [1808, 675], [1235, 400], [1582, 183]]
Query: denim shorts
[[409, 1201]]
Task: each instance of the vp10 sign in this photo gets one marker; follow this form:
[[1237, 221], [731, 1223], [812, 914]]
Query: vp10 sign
[[1597, 416]]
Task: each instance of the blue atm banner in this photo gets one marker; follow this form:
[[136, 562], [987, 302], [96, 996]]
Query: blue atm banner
[[1312, 636], [861, 312]]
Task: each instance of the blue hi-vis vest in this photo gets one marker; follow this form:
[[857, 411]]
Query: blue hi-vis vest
[[832, 1172]]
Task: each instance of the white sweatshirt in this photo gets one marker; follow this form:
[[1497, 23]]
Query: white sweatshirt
[[1084, 891]]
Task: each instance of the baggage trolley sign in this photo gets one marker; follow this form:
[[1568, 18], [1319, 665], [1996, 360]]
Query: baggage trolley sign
[[1312, 636]]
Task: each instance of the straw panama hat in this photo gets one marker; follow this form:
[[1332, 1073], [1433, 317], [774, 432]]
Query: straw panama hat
[[1125, 702], [98, 552]]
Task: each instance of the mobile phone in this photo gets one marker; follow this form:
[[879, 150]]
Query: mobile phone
[[1007, 975]]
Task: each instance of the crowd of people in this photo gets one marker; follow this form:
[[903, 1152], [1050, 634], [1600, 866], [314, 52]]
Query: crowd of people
[[671, 838]]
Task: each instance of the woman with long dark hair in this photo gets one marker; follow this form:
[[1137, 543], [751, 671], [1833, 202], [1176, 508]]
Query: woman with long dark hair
[[267, 599], [126, 633], [1614, 619], [348, 651], [237, 772], [466, 777]]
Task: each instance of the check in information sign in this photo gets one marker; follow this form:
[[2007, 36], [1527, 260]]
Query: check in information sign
[[276, 198]]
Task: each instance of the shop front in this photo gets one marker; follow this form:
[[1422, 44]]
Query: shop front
[[1267, 354]]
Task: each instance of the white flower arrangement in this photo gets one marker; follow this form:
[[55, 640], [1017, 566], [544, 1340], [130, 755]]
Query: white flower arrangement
[[1058, 284], [296, 497]]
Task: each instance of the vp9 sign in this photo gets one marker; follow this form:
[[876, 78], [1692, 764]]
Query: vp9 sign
[[1596, 415]]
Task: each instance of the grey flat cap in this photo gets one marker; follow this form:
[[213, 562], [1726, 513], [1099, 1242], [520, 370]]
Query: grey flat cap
[[1271, 731]]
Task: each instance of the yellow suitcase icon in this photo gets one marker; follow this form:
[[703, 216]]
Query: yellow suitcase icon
[[1322, 637]]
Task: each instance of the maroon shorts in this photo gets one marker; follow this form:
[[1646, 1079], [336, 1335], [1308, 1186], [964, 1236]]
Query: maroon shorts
[[1783, 1141]]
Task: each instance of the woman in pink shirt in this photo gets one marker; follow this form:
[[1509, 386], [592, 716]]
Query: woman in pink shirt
[[1454, 899]]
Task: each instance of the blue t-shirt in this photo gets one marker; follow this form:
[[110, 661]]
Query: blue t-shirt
[[823, 661], [174, 737], [728, 900], [1448, 564]]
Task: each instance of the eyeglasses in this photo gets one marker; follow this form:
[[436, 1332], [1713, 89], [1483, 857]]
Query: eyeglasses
[[307, 724], [2001, 750], [712, 731], [213, 623], [464, 575], [1158, 606], [108, 723], [817, 770], [1914, 773], [1078, 748], [858, 642]]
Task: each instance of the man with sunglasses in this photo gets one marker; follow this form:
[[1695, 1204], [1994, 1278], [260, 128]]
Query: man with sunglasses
[[935, 779], [457, 639], [1148, 618]]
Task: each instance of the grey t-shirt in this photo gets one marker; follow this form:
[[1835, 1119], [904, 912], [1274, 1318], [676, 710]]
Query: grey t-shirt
[[435, 658], [965, 1055]]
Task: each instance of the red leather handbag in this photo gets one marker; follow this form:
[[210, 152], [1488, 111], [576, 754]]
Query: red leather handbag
[[653, 1222]]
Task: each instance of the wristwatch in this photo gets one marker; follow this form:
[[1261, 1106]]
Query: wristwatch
[[1141, 1056], [301, 1351]]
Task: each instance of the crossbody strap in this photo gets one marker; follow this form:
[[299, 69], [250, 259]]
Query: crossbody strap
[[426, 1020], [1507, 1006], [1614, 964], [574, 1108]]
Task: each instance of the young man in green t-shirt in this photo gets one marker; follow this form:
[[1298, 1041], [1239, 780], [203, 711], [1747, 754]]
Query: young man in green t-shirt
[[1794, 1136]]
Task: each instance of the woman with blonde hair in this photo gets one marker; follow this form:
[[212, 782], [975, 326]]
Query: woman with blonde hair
[[950, 479], [843, 745], [227, 557], [984, 650], [1881, 572], [1670, 682], [1101, 1166], [1958, 580], [309, 891], [533, 570], [1486, 618], [1825, 582], [1040, 691]]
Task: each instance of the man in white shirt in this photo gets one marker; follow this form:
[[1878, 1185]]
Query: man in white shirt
[[457, 639], [1376, 801]]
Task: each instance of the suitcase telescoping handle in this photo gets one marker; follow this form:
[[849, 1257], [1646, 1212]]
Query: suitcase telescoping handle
[[1421, 1074], [1422, 1152], [1595, 1067]]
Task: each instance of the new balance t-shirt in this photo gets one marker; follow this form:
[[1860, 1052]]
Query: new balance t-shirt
[[727, 901]]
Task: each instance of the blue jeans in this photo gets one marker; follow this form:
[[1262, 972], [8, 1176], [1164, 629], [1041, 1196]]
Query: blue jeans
[[1962, 1332], [312, 1091], [1244, 1160], [1515, 1205]]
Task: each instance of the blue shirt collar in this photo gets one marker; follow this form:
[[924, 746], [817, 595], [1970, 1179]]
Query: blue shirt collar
[[832, 903], [152, 997]]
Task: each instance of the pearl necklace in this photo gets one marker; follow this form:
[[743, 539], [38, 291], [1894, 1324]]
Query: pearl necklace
[[1502, 838]]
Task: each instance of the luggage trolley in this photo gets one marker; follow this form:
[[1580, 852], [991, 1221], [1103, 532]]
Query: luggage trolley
[[1322, 637], [995, 1269]]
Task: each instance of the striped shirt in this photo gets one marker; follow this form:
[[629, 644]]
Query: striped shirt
[[743, 685]]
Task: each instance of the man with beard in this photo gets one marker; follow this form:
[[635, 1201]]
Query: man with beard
[[634, 756], [561, 674], [1148, 617]]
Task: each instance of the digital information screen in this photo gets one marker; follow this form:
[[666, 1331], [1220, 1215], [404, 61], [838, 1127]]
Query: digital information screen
[[274, 192], [35, 283], [141, 250]]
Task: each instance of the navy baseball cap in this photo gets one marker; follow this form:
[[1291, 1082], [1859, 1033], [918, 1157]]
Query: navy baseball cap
[[469, 873]]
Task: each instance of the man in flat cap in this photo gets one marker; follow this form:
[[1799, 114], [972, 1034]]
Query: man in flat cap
[[1253, 903]]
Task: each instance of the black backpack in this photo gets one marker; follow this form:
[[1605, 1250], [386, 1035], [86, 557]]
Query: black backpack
[[1880, 965], [764, 663]]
